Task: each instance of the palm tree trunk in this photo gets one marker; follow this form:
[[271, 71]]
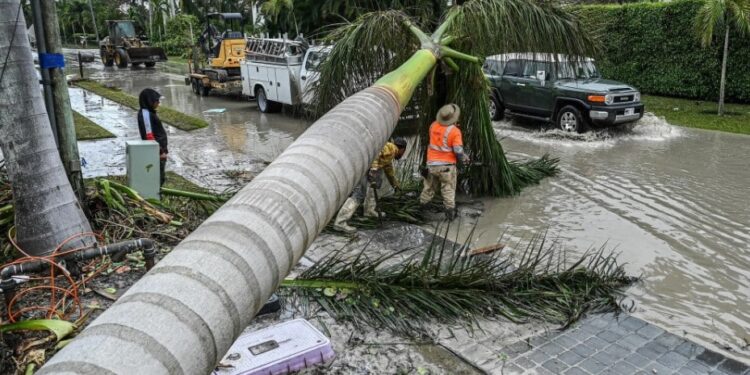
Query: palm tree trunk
[[724, 70], [47, 212], [183, 315]]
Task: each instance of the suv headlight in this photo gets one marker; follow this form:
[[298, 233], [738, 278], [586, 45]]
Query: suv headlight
[[608, 99], [637, 97]]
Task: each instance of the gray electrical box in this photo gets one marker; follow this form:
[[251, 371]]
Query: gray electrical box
[[142, 159]]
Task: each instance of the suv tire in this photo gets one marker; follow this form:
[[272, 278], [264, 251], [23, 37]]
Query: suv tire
[[497, 110], [570, 119]]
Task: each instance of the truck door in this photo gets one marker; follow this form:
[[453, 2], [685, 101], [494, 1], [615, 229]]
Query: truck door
[[309, 74], [539, 87], [512, 80]]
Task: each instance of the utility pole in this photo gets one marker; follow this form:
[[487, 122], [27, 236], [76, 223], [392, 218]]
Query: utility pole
[[93, 18], [60, 109], [41, 49]]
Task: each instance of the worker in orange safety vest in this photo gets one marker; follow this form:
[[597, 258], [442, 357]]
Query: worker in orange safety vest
[[445, 149]]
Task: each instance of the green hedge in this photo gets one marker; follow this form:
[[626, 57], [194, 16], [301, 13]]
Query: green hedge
[[653, 47]]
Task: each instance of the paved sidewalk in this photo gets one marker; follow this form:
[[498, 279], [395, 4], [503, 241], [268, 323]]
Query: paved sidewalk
[[604, 344]]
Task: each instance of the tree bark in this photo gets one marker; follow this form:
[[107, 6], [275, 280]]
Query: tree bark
[[66, 132], [47, 211], [724, 70], [93, 20]]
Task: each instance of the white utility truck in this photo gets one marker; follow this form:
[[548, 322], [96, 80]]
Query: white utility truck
[[280, 71]]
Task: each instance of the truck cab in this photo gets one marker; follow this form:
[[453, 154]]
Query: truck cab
[[280, 71], [310, 71], [566, 91]]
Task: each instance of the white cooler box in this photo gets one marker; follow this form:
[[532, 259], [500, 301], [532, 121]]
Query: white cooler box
[[279, 349]]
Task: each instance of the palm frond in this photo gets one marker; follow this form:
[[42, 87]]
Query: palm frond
[[708, 17], [740, 13], [407, 290], [379, 42], [375, 44], [488, 27]]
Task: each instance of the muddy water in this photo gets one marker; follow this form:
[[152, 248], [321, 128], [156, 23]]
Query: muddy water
[[674, 202], [239, 138]]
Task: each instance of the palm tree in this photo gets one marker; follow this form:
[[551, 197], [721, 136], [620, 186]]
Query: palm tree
[[380, 41], [313, 17], [46, 209], [722, 13], [201, 295]]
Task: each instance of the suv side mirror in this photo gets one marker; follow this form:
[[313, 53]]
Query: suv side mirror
[[541, 75]]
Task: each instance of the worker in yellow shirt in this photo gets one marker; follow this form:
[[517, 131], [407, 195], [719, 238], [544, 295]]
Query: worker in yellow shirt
[[365, 190]]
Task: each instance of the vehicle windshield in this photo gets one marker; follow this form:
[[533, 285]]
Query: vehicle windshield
[[577, 70], [126, 29]]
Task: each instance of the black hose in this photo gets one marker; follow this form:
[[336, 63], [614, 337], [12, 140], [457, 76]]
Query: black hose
[[34, 266]]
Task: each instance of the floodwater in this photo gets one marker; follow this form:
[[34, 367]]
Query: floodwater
[[672, 201], [239, 139]]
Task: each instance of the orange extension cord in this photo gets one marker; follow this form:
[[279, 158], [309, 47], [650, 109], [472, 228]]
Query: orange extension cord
[[46, 284]]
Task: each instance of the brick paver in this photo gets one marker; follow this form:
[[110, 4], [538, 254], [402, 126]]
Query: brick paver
[[606, 344]]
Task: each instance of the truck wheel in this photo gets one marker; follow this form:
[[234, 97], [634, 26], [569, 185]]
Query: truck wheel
[[106, 59], [150, 64], [205, 90], [121, 58], [570, 119], [265, 105], [497, 110], [194, 85]]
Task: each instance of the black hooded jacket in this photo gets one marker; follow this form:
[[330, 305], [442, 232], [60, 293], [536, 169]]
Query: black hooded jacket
[[149, 124]]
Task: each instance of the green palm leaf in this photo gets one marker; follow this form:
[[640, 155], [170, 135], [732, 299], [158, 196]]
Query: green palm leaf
[[407, 290]]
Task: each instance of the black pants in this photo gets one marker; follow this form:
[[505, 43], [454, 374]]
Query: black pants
[[162, 172]]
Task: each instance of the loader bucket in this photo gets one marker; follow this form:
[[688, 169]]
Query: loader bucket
[[147, 54]]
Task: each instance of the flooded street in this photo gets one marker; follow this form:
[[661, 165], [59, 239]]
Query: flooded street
[[241, 138], [672, 201]]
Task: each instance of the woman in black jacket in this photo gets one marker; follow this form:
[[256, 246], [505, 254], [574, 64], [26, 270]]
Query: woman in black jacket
[[150, 126]]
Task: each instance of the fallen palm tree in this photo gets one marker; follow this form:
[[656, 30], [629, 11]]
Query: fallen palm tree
[[184, 314], [407, 291]]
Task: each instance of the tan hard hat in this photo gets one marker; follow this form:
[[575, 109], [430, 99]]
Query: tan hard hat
[[448, 114]]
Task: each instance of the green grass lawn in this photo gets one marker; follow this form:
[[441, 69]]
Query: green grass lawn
[[166, 114], [700, 114], [87, 129], [173, 180]]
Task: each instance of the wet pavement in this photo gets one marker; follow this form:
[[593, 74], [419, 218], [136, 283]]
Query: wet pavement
[[605, 344], [671, 200]]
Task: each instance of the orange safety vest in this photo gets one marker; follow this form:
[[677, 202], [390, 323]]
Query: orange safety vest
[[442, 140]]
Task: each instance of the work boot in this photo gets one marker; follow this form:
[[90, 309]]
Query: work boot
[[345, 213], [371, 204], [450, 214]]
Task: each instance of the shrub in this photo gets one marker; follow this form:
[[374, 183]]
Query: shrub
[[653, 47], [177, 41]]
